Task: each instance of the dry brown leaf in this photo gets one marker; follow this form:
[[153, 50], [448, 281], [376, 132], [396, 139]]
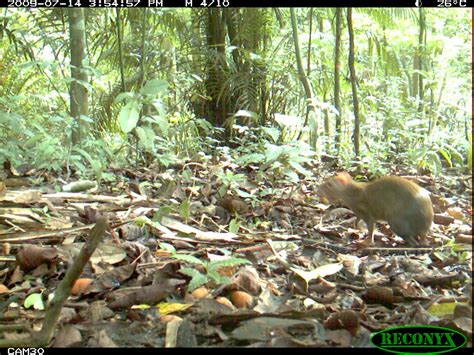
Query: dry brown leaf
[[33, 256], [101, 340], [68, 336], [247, 279], [382, 295], [346, 319], [3, 289], [146, 295]]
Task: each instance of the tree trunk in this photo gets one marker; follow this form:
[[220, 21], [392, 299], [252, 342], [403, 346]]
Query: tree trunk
[[337, 69], [78, 92], [217, 69], [353, 83], [421, 46], [304, 79]]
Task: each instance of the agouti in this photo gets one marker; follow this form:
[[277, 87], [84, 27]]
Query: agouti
[[403, 204]]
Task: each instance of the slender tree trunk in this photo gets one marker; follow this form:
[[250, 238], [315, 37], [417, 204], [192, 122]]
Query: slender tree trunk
[[353, 83], [308, 56], [313, 132], [323, 83], [304, 79], [143, 53], [337, 68], [120, 48], [78, 92], [421, 43]]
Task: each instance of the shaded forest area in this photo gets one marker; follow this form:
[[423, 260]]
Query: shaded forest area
[[296, 177]]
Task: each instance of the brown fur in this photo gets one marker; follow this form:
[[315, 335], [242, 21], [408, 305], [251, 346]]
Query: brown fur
[[403, 204]]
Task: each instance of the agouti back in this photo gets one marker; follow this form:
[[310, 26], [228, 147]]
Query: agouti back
[[403, 204]]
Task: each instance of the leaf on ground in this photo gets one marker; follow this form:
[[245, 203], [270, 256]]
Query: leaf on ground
[[34, 300], [264, 328], [105, 253], [149, 295], [68, 336], [112, 279], [168, 308], [32, 256], [322, 271]]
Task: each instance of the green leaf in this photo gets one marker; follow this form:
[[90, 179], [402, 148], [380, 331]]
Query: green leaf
[[129, 115], [167, 246], [35, 300], [252, 158], [243, 194], [299, 168], [273, 132], [446, 156], [190, 272], [189, 259], [162, 212], [234, 226], [145, 136], [162, 124], [154, 87], [184, 209], [197, 279], [214, 266], [218, 278], [292, 176], [197, 282]]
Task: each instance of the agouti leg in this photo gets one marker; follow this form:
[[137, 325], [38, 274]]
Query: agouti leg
[[423, 240], [411, 241], [356, 222], [371, 227]]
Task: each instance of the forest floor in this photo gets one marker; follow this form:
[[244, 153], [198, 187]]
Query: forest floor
[[181, 266]]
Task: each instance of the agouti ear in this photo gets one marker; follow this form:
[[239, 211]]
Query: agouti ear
[[343, 177]]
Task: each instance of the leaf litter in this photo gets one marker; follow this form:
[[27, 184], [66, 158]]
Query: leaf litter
[[196, 269]]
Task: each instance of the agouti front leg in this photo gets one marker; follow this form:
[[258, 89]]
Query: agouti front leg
[[371, 226]]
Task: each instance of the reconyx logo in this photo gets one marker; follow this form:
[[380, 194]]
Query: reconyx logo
[[418, 339]]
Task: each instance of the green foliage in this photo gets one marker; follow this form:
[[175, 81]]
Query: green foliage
[[163, 211], [149, 94], [211, 270], [286, 161], [230, 181], [167, 119], [34, 300], [282, 162], [234, 225], [184, 210]]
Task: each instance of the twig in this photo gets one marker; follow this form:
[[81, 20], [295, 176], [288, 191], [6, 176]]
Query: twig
[[277, 256]]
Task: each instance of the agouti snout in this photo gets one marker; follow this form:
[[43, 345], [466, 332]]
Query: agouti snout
[[403, 204]]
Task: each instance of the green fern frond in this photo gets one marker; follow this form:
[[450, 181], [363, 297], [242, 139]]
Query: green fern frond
[[215, 265], [189, 259]]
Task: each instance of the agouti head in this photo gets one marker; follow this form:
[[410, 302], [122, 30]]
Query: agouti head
[[403, 204], [333, 188]]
